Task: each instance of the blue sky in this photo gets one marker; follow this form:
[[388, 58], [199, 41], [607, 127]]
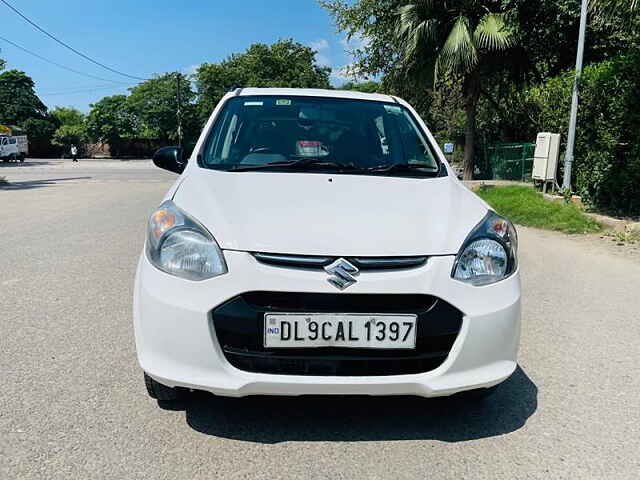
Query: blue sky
[[143, 37]]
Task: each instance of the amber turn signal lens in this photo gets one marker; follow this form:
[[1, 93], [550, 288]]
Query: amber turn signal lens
[[162, 221]]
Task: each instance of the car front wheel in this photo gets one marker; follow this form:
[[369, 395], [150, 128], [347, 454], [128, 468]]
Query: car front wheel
[[159, 391]]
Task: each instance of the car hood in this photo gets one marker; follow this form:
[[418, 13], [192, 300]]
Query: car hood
[[335, 215]]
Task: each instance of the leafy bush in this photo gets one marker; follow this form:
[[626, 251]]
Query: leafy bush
[[607, 153]]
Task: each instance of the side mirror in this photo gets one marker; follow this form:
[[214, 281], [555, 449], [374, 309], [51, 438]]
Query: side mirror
[[170, 158]]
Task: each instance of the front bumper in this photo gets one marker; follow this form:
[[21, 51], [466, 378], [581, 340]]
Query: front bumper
[[177, 343]]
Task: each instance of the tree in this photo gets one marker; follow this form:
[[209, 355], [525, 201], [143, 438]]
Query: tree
[[375, 21], [612, 8], [41, 129], [455, 40], [67, 116], [72, 129], [111, 119], [366, 87], [155, 104], [534, 25], [68, 135], [424, 40], [18, 100], [608, 129], [283, 64]]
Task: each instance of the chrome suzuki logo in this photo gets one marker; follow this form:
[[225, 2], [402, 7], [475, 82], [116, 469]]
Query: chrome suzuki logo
[[342, 273]]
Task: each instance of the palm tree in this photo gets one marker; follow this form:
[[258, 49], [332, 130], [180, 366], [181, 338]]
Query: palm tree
[[612, 8], [455, 39]]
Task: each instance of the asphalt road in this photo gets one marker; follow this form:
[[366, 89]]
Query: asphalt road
[[73, 404]]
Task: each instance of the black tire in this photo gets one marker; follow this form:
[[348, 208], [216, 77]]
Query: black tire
[[160, 392], [22, 157]]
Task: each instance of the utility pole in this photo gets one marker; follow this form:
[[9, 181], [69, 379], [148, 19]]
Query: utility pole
[[571, 138], [179, 111]]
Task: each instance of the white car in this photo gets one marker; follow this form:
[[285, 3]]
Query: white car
[[317, 242]]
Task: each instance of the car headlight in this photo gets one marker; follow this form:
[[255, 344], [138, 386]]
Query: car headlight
[[178, 245], [489, 254]]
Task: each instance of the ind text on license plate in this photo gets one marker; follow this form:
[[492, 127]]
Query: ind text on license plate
[[301, 330]]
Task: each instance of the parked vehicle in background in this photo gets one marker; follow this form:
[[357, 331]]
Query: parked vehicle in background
[[14, 148]]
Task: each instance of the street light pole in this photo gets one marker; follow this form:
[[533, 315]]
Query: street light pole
[[571, 138], [179, 112]]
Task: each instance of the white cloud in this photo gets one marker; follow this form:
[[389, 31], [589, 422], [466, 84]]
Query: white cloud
[[347, 73], [323, 60], [344, 73], [191, 69], [356, 42], [318, 45]]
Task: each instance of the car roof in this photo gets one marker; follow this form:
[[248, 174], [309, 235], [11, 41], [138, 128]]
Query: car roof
[[314, 92]]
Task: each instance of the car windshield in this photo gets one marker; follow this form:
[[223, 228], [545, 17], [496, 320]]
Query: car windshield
[[318, 134]]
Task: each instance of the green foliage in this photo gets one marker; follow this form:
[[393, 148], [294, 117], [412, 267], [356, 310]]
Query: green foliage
[[525, 206], [18, 100], [504, 112], [413, 43], [611, 8], [544, 38], [365, 87], [459, 40], [566, 193], [111, 119], [283, 64], [67, 135], [453, 37], [607, 150], [67, 116], [155, 104], [375, 21], [71, 129], [39, 128]]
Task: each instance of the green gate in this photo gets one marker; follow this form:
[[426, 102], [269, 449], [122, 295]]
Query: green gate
[[505, 161]]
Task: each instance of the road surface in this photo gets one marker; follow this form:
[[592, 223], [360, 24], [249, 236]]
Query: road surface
[[73, 404]]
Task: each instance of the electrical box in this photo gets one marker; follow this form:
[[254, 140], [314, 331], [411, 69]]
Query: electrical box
[[545, 157]]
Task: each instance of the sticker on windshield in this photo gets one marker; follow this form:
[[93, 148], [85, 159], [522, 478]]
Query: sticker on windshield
[[311, 148], [253, 104], [283, 101], [393, 109]]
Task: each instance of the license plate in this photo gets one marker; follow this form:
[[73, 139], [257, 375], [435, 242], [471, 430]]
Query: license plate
[[348, 330]]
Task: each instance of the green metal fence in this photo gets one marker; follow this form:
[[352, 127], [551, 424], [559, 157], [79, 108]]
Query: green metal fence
[[505, 161]]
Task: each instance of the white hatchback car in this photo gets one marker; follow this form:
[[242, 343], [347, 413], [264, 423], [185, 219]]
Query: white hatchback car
[[317, 242]]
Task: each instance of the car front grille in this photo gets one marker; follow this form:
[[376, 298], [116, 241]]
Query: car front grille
[[239, 326], [318, 262]]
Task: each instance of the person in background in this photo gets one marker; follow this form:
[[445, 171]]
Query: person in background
[[74, 153]]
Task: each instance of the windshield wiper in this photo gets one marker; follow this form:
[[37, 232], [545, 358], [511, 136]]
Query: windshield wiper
[[403, 167], [301, 162]]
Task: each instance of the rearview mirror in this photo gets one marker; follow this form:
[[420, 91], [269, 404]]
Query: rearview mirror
[[170, 158]]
